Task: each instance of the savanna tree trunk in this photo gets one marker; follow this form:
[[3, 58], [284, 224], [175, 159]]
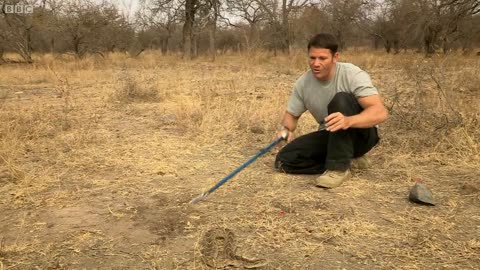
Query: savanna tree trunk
[[430, 37], [211, 37], [164, 45], [188, 28], [396, 46], [213, 29], [52, 45], [1, 54], [76, 46], [194, 45], [247, 38], [24, 46], [445, 45], [252, 36], [285, 28], [388, 46]]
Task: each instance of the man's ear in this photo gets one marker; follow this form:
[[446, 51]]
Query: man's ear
[[335, 57]]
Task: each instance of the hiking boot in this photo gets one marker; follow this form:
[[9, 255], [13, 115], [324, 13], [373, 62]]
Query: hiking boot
[[332, 179], [361, 163]]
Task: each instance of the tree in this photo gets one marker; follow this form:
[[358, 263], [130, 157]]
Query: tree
[[280, 21], [452, 14], [431, 24], [251, 12], [17, 29], [92, 27], [213, 12], [343, 14], [313, 20], [162, 15], [191, 7]]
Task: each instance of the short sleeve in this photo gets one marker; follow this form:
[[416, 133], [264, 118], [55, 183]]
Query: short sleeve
[[296, 105], [361, 85]]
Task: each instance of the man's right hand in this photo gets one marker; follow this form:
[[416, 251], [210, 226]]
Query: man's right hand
[[288, 125], [289, 135]]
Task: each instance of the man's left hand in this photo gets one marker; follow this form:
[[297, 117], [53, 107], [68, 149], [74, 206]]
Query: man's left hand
[[337, 121]]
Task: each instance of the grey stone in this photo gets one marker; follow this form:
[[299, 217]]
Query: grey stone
[[421, 194]]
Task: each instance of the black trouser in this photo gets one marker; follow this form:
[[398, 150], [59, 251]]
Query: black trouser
[[318, 151]]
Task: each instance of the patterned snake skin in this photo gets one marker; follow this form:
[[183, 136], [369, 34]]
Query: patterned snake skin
[[218, 248]]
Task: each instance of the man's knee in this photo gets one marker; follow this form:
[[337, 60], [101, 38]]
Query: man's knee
[[345, 103], [279, 159]]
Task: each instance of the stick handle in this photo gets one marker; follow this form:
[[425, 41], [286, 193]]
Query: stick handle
[[252, 159]]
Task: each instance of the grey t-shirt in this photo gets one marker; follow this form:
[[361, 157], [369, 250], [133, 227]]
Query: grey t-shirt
[[313, 95]]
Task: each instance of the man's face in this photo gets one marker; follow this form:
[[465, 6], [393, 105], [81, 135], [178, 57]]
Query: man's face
[[322, 63]]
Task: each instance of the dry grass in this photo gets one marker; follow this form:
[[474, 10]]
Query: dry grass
[[99, 157], [131, 89]]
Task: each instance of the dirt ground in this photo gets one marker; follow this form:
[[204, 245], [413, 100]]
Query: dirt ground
[[96, 174]]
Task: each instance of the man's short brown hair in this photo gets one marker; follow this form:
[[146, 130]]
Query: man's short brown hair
[[324, 41]]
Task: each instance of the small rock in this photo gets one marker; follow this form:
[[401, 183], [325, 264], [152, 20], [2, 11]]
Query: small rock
[[421, 194]]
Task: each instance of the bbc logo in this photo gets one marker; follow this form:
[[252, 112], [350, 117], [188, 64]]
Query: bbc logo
[[19, 9]]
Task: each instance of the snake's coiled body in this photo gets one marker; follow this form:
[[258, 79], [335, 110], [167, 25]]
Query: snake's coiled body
[[219, 250]]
